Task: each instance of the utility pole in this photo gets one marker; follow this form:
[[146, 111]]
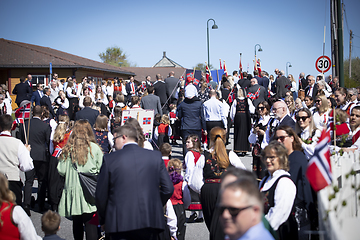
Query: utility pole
[[351, 37]]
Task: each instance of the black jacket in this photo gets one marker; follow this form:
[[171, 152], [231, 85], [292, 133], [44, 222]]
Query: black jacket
[[191, 114], [132, 188], [89, 114]]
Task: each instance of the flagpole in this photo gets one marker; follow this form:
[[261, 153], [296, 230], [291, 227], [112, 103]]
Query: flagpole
[[241, 75], [26, 140], [28, 130]]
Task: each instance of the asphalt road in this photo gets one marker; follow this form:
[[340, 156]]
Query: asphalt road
[[194, 231]]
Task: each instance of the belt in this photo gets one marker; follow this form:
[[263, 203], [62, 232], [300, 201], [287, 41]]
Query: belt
[[210, 180]]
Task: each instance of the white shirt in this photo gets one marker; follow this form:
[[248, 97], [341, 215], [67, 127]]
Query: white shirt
[[190, 164], [253, 137], [309, 148], [321, 121], [24, 224], [198, 170], [25, 161], [284, 197]]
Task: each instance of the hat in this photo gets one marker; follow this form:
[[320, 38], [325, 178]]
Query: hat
[[190, 91]]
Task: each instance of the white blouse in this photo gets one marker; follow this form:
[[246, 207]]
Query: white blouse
[[196, 179], [24, 224], [309, 148], [190, 164], [284, 197], [253, 137]]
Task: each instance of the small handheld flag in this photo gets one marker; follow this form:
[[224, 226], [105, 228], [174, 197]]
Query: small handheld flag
[[319, 167]]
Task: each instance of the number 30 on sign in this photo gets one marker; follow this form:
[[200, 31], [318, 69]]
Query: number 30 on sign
[[323, 64]]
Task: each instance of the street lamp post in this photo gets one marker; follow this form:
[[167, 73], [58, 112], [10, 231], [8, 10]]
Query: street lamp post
[[260, 50], [213, 27], [287, 68]]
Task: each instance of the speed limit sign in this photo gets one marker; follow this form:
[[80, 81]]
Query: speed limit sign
[[323, 64]]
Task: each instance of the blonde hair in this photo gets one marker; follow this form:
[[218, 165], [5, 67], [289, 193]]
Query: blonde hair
[[78, 145], [292, 107], [165, 119], [176, 164], [217, 141], [324, 103], [61, 128], [6, 195], [102, 95]]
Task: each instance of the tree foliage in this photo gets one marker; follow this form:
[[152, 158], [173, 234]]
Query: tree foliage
[[115, 56], [355, 72], [202, 67]]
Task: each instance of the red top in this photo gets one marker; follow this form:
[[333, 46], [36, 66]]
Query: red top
[[177, 196], [163, 129], [340, 129], [172, 115], [8, 230]]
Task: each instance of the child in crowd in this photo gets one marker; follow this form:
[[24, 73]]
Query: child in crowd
[[165, 150], [193, 145], [157, 121], [135, 102], [163, 132], [50, 224], [181, 196], [115, 121], [102, 135], [174, 123]]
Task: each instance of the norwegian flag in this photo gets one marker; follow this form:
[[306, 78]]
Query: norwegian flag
[[225, 69], [208, 73], [57, 152], [220, 64], [126, 118], [288, 86], [16, 122], [253, 96], [258, 66], [319, 168], [24, 111], [146, 121]]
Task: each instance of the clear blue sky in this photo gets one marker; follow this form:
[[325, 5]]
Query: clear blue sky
[[288, 31]]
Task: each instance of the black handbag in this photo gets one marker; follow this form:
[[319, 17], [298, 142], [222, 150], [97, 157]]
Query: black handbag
[[88, 182]]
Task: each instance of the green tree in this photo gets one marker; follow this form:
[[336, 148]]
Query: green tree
[[354, 81], [115, 56], [202, 67]]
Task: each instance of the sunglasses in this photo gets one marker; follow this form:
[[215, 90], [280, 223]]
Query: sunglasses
[[302, 118], [261, 108], [317, 101], [233, 211], [282, 138]]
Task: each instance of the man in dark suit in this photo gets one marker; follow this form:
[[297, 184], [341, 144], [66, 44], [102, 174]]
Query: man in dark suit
[[131, 87], [280, 113], [160, 91], [244, 82], [39, 138], [22, 91], [265, 80], [259, 91], [132, 188], [151, 101], [172, 83], [312, 88], [87, 113], [38, 94], [283, 85], [304, 82], [45, 101]]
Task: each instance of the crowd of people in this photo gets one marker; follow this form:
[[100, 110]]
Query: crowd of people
[[76, 132]]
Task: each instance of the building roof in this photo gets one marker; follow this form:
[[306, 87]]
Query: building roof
[[167, 62], [142, 72], [22, 55]]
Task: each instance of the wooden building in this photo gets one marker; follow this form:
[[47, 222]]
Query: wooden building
[[19, 59]]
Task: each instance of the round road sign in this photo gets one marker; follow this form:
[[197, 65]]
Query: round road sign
[[323, 63]]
